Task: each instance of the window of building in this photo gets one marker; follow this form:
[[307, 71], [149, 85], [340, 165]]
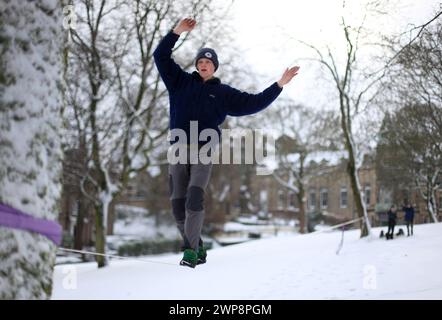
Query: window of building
[[291, 199], [263, 200], [75, 208], [312, 200], [280, 199], [343, 198], [139, 194], [385, 196], [367, 194], [324, 198]]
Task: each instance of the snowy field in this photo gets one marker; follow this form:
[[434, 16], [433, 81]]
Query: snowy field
[[289, 267]]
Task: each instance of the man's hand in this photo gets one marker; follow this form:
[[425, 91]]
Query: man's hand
[[288, 76], [185, 25]]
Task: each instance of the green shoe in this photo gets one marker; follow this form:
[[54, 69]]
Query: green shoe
[[202, 255], [190, 258]]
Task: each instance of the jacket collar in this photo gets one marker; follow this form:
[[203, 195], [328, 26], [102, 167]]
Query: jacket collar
[[197, 76]]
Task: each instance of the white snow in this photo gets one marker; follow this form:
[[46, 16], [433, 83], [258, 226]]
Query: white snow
[[251, 219], [289, 267], [235, 226], [333, 157], [154, 171], [144, 227], [131, 210]]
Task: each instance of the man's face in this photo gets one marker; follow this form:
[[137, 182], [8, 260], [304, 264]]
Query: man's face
[[205, 68]]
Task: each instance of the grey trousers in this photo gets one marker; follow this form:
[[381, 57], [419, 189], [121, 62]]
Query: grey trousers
[[187, 184]]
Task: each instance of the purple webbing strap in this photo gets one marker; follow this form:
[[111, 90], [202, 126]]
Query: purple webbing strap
[[13, 218]]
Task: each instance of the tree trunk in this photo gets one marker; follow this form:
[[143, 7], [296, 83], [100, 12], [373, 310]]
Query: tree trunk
[[429, 196], [110, 219], [360, 209], [30, 157], [353, 174], [302, 215], [431, 204], [79, 226], [301, 195], [100, 235]]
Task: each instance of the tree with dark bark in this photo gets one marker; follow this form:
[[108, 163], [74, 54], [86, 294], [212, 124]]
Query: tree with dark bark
[[31, 34]]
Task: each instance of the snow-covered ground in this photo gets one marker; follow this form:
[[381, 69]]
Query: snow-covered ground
[[139, 228], [288, 267], [144, 227]]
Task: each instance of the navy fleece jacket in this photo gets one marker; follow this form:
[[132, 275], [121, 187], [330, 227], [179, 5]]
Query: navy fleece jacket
[[208, 102]]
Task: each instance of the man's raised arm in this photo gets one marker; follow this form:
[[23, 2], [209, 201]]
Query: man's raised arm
[[239, 103], [169, 70]]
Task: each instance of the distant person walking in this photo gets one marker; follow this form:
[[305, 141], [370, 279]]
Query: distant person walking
[[409, 218], [392, 217]]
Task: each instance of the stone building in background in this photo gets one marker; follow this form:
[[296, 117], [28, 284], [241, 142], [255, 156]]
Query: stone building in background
[[236, 190]]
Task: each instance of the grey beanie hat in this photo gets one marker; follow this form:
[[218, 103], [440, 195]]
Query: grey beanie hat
[[207, 53]]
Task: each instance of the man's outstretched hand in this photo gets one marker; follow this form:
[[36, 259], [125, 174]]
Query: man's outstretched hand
[[185, 25], [288, 76]]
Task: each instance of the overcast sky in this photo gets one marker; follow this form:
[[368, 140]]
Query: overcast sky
[[262, 28]]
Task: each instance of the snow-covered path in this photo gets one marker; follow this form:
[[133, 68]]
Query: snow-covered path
[[292, 267]]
